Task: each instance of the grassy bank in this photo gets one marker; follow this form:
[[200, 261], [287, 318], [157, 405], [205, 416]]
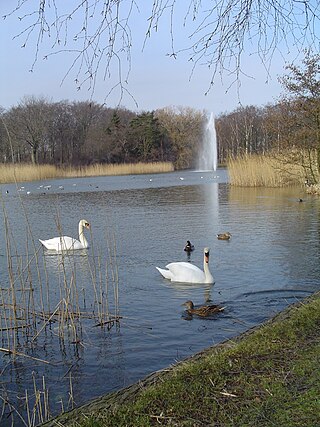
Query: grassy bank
[[29, 172], [267, 377]]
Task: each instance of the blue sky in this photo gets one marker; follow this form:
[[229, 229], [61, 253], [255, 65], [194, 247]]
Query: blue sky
[[156, 80]]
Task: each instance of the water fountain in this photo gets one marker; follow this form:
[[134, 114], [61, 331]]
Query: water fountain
[[208, 158]]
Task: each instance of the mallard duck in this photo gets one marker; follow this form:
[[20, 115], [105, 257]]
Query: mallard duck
[[204, 310], [185, 272], [224, 236], [189, 246]]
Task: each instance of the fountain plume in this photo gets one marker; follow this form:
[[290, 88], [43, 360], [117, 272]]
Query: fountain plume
[[208, 158]]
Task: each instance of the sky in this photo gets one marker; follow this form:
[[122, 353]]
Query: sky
[[156, 80]]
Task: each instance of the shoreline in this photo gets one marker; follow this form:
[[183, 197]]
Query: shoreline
[[109, 404]]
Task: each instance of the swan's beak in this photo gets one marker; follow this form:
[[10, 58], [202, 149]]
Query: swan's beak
[[87, 225], [206, 257]]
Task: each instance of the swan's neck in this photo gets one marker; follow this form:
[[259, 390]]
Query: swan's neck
[[207, 273], [82, 237]]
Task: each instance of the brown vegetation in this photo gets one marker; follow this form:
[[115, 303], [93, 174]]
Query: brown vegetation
[[264, 171], [31, 312], [28, 172]]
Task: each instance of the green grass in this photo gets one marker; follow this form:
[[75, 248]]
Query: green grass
[[268, 377]]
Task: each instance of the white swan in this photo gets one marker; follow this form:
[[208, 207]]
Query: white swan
[[66, 243], [188, 273]]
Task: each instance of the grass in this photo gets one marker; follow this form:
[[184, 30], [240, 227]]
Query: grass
[[265, 171], [268, 377], [29, 172]]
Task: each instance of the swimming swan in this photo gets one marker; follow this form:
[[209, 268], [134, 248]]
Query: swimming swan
[[66, 243], [188, 273]]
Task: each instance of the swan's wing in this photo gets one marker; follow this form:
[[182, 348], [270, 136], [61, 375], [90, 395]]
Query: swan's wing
[[51, 244], [165, 273], [72, 244], [63, 243], [174, 265], [185, 272]]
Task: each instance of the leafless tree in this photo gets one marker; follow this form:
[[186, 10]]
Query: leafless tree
[[97, 33], [28, 128], [184, 127]]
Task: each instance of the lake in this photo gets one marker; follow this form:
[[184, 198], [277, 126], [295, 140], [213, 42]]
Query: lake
[[138, 223]]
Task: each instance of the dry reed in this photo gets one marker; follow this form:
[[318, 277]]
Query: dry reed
[[28, 312], [28, 172], [26, 315], [264, 171], [118, 169]]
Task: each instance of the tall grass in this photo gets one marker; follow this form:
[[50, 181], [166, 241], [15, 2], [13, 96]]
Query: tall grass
[[119, 169], [26, 172], [264, 171], [29, 172], [36, 307]]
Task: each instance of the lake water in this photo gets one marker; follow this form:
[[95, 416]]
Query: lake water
[[138, 223]]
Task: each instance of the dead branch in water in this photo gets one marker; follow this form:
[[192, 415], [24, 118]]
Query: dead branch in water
[[18, 353]]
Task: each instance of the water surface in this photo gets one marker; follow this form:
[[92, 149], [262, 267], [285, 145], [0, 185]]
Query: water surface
[[139, 222]]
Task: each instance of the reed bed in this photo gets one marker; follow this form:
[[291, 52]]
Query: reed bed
[[265, 171], [29, 172], [26, 172], [35, 305], [119, 169]]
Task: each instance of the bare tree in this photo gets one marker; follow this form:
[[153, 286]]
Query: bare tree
[[97, 33], [301, 103], [28, 127], [184, 127]]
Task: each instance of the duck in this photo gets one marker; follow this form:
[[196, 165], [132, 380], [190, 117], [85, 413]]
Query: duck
[[224, 236], [65, 243], [185, 272], [189, 247], [204, 310]]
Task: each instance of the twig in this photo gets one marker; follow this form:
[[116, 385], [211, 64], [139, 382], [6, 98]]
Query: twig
[[17, 353], [45, 324], [115, 319]]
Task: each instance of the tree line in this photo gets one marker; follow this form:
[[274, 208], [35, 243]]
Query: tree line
[[82, 133]]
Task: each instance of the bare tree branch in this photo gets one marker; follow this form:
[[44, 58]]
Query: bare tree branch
[[98, 33]]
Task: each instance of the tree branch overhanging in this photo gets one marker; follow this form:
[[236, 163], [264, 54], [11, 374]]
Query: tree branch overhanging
[[98, 34]]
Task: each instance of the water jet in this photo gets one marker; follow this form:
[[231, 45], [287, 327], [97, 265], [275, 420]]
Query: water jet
[[208, 158]]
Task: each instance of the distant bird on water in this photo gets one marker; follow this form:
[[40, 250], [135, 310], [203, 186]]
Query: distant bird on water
[[224, 236], [204, 310], [189, 247]]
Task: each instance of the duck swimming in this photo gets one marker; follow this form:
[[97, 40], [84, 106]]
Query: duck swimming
[[185, 272], [189, 247], [204, 310], [224, 236]]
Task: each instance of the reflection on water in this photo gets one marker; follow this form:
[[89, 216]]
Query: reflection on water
[[137, 224], [183, 289]]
